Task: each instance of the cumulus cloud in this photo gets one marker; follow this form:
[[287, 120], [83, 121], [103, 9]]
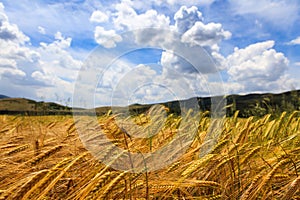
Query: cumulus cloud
[[8, 31], [56, 70], [172, 63], [13, 51], [56, 54], [98, 17], [203, 40], [11, 73], [294, 41], [131, 85], [127, 18], [188, 22], [29, 71], [206, 35], [184, 41], [258, 67], [185, 18], [108, 39], [257, 60], [191, 49]]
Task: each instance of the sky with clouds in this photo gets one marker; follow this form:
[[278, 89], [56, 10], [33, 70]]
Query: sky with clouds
[[130, 51]]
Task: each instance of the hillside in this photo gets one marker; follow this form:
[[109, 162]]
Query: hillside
[[27, 106], [3, 96], [261, 104], [248, 105]]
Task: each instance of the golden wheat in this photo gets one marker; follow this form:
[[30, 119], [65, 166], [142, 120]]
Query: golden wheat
[[292, 189], [255, 158]]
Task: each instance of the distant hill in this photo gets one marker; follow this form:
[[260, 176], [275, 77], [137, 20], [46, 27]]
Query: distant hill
[[248, 105], [27, 106], [3, 96], [261, 104]]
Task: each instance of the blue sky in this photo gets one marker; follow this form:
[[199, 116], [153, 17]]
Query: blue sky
[[254, 46]]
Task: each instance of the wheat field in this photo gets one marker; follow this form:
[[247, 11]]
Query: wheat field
[[42, 157]]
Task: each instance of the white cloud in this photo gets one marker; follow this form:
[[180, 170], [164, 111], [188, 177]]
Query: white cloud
[[8, 31], [32, 72], [257, 61], [144, 84], [50, 69], [13, 50], [185, 56], [98, 17], [280, 13], [61, 41], [206, 35], [188, 21], [200, 36], [108, 39], [130, 84], [11, 73], [9, 69], [127, 18], [52, 87], [185, 18], [56, 55], [56, 70], [294, 41], [258, 67], [68, 17], [173, 63], [41, 30]]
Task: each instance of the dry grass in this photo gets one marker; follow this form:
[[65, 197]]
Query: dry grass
[[43, 158]]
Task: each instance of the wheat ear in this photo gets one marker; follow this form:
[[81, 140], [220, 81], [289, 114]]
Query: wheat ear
[[44, 155], [17, 149], [38, 187], [267, 178], [292, 189], [111, 185], [29, 184], [252, 186], [63, 171], [196, 164]]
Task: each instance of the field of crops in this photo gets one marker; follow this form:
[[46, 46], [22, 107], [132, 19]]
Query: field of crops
[[42, 157]]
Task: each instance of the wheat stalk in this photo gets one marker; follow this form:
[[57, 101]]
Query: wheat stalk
[[44, 155], [17, 149], [103, 179], [194, 165], [250, 154], [111, 185], [266, 179], [38, 187], [252, 186], [219, 146], [29, 184], [173, 166], [292, 189], [62, 172]]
